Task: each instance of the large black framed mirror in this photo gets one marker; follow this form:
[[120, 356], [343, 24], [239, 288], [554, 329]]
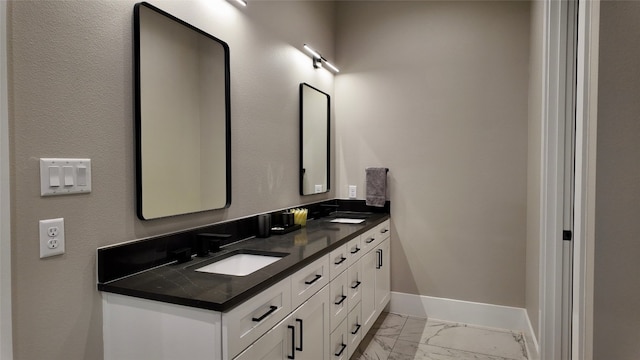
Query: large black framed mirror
[[315, 107], [182, 116]]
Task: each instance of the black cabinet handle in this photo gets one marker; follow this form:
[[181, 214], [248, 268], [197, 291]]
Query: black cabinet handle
[[272, 308], [342, 299], [356, 285], [370, 240], [384, 231], [356, 330], [314, 280], [355, 250], [344, 346], [293, 342], [299, 321], [381, 257], [379, 263], [342, 259]]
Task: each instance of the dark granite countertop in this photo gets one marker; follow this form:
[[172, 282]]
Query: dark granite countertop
[[181, 284]]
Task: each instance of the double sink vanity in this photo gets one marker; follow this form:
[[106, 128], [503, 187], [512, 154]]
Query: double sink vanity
[[309, 294]]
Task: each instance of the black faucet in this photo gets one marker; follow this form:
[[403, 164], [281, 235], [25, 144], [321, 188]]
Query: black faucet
[[206, 242], [327, 209]]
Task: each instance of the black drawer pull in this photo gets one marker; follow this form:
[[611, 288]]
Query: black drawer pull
[[356, 330], [299, 321], [354, 251], [314, 280], [384, 231], [293, 342], [370, 240], [344, 346], [272, 308], [356, 285], [342, 259], [342, 299]]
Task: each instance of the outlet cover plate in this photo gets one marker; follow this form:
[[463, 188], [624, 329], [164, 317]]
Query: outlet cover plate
[[51, 237], [352, 191]]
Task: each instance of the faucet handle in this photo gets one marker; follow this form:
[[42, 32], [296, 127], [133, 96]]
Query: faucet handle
[[205, 240]]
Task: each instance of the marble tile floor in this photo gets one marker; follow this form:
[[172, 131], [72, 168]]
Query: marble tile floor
[[399, 337]]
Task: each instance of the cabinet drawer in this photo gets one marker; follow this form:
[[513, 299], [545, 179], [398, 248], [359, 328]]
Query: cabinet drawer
[[354, 250], [338, 261], [338, 348], [369, 240], [354, 284], [383, 231], [354, 329], [247, 322], [339, 304], [307, 281]]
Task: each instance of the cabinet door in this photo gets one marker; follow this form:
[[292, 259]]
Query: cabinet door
[[338, 293], [276, 344], [312, 329], [383, 276], [354, 283], [368, 301], [340, 342], [354, 329]]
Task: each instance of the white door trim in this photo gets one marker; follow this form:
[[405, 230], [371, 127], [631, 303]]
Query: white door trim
[[6, 335], [584, 220], [552, 192]]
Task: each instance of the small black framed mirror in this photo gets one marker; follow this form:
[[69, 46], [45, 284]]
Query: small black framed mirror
[[182, 116], [315, 123]]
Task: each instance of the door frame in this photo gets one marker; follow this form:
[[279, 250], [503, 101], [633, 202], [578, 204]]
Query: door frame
[[553, 200], [6, 334], [585, 175]]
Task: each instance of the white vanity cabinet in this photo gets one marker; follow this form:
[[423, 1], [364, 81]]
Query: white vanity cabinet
[[320, 312], [376, 282]]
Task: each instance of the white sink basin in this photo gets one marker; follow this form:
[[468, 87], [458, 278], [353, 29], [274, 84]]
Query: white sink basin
[[239, 264], [347, 221]]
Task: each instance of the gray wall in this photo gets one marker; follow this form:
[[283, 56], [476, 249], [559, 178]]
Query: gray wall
[[70, 86], [534, 162], [617, 229], [437, 91]]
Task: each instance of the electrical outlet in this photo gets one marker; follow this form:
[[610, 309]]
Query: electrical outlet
[[51, 237], [352, 191]]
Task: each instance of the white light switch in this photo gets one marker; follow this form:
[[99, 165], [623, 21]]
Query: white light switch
[[82, 175], [64, 176], [68, 175], [318, 188], [54, 176]]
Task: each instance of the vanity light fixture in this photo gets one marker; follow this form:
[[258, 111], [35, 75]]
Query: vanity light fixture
[[318, 59]]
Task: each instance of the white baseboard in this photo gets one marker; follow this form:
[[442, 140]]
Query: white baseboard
[[480, 314]]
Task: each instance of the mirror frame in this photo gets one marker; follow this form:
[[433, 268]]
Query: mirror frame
[[138, 108], [302, 169]]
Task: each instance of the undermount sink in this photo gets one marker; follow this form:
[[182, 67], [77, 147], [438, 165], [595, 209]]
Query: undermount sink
[[347, 221], [241, 263]]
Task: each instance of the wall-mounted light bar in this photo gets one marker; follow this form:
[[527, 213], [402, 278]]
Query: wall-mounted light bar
[[241, 2], [318, 59]]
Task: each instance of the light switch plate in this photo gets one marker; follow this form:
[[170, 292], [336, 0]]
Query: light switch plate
[[64, 176], [318, 188]]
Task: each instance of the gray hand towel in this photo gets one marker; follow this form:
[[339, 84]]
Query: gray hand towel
[[376, 186]]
